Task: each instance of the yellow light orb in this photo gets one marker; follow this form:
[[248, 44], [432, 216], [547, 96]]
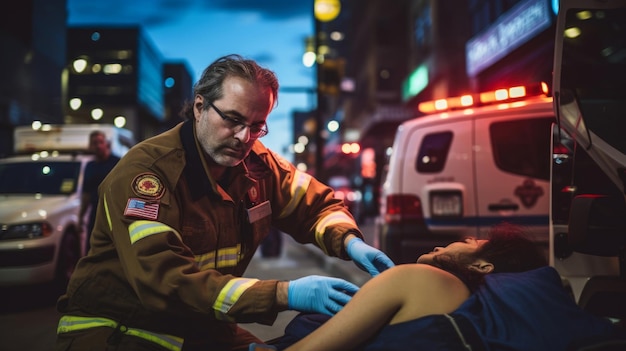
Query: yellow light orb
[[327, 10]]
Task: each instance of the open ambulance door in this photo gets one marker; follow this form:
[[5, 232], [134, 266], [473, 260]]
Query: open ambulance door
[[588, 169]]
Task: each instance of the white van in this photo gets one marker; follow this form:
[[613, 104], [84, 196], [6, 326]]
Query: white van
[[40, 190], [475, 161], [70, 138]]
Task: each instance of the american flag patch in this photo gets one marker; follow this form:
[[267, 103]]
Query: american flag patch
[[142, 209]]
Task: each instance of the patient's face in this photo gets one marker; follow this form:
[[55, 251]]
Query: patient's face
[[455, 249]]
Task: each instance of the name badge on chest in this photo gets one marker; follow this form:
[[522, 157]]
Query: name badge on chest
[[259, 211]]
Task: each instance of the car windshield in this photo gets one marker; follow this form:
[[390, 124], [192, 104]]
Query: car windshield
[[49, 178]]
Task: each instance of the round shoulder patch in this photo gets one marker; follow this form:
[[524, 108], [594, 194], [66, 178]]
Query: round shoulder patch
[[148, 185]]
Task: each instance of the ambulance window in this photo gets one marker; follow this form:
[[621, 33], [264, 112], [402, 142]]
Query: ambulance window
[[433, 152], [523, 146], [593, 72]]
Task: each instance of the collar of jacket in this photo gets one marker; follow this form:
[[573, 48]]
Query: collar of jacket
[[195, 173]]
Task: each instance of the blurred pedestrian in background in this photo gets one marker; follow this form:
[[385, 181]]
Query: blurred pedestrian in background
[[95, 171]]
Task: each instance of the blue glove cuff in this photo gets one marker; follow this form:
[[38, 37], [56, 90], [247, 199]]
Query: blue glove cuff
[[351, 243], [290, 295]]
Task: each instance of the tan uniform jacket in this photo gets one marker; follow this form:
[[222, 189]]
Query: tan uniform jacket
[[170, 244]]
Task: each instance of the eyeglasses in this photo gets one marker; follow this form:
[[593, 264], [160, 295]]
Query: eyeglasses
[[258, 130]]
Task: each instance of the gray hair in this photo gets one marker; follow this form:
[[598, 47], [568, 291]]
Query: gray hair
[[209, 86]]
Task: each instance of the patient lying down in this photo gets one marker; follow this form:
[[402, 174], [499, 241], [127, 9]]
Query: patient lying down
[[494, 294]]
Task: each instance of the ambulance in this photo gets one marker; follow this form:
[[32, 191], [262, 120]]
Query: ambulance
[[469, 163], [40, 186], [588, 168]]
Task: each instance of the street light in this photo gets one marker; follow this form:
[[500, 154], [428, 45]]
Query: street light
[[310, 54], [324, 11]]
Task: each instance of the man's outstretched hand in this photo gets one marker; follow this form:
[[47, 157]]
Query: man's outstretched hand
[[368, 258], [319, 294]]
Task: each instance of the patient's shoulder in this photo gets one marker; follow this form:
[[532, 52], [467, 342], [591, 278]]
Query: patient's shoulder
[[423, 277], [420, 271], [425, 290]]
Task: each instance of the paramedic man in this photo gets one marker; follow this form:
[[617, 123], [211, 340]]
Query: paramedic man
[[179, 220]]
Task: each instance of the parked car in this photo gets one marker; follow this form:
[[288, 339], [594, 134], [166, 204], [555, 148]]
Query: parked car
[[40, 187], [39, 201]]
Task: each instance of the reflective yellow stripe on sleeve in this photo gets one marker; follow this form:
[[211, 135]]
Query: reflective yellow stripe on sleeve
[[328, 220], [229, 295], [226, 257], [299, 187], [141, 229], [73, 323], [106, 211]]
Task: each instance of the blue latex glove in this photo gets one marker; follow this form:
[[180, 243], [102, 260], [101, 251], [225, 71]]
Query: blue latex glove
[[319, 294], [368, 258]]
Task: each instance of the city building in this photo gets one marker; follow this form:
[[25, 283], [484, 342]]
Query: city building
[[178, 84], [32, 41], [53, 74], [114, 75]]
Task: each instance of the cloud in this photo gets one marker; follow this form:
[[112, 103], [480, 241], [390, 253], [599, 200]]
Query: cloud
[[160, 12], [122, 12], [266, 58]]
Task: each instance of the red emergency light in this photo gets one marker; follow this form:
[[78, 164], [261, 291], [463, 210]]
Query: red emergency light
[[484, 98]]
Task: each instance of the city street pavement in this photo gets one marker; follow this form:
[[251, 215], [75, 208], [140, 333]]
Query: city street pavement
[[28, 318]]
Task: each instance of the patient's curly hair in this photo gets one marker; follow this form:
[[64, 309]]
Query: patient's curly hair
[[508, 248]]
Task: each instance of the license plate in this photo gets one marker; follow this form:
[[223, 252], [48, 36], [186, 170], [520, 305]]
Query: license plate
[[446, 204]]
